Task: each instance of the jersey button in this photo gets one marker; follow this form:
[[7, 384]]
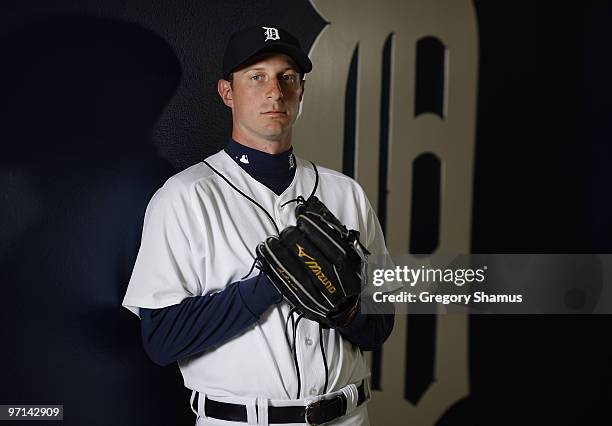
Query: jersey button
[[308, 341], [313, 391]]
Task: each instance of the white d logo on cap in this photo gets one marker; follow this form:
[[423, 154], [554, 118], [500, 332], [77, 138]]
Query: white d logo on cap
[[271, 33]]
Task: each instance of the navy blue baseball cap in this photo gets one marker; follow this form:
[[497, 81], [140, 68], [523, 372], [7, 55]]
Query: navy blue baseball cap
[[246, 43]]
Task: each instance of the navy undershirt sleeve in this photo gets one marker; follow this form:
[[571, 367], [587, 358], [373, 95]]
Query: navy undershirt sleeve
[[369, 332], [200, 323]]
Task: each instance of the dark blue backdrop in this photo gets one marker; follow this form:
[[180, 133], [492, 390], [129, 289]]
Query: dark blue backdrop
[[101, 101]]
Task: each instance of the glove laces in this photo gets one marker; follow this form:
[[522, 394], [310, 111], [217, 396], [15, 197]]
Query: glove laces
[[291, 341]]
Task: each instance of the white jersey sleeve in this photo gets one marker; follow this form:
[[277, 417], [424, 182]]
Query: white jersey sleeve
[[171, 256], [374, 241]]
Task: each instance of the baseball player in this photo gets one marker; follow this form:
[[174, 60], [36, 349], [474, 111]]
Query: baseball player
[[245, 348]]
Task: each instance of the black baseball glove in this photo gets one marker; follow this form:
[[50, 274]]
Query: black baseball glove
[[318, 265]]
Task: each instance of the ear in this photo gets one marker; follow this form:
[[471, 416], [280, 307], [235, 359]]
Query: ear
[[302, 83], [224, 88]]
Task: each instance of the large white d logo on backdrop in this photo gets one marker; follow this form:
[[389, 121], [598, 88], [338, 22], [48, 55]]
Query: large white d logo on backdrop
[[370, 89]]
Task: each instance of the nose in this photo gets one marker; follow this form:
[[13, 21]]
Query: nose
[[275, 90]]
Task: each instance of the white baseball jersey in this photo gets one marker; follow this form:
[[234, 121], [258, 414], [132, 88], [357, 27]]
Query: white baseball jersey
[[200, 235]]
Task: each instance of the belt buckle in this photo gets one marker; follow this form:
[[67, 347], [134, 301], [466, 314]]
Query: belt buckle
[[308, 412]]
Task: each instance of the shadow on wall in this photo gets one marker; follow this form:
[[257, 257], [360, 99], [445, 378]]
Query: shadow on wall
[[80, 98]]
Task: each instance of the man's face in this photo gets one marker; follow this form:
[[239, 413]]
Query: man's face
[[264, 97]]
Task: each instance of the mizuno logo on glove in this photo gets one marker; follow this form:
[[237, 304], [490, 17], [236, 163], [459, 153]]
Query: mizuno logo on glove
[[316, 269]]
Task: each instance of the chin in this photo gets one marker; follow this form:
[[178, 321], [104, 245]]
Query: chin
[[273, 134], [274, 137]]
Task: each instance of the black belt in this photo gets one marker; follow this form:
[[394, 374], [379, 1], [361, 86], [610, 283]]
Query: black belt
[[315, 413]]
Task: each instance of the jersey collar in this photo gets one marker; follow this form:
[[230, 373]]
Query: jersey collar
[[261, 163]]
